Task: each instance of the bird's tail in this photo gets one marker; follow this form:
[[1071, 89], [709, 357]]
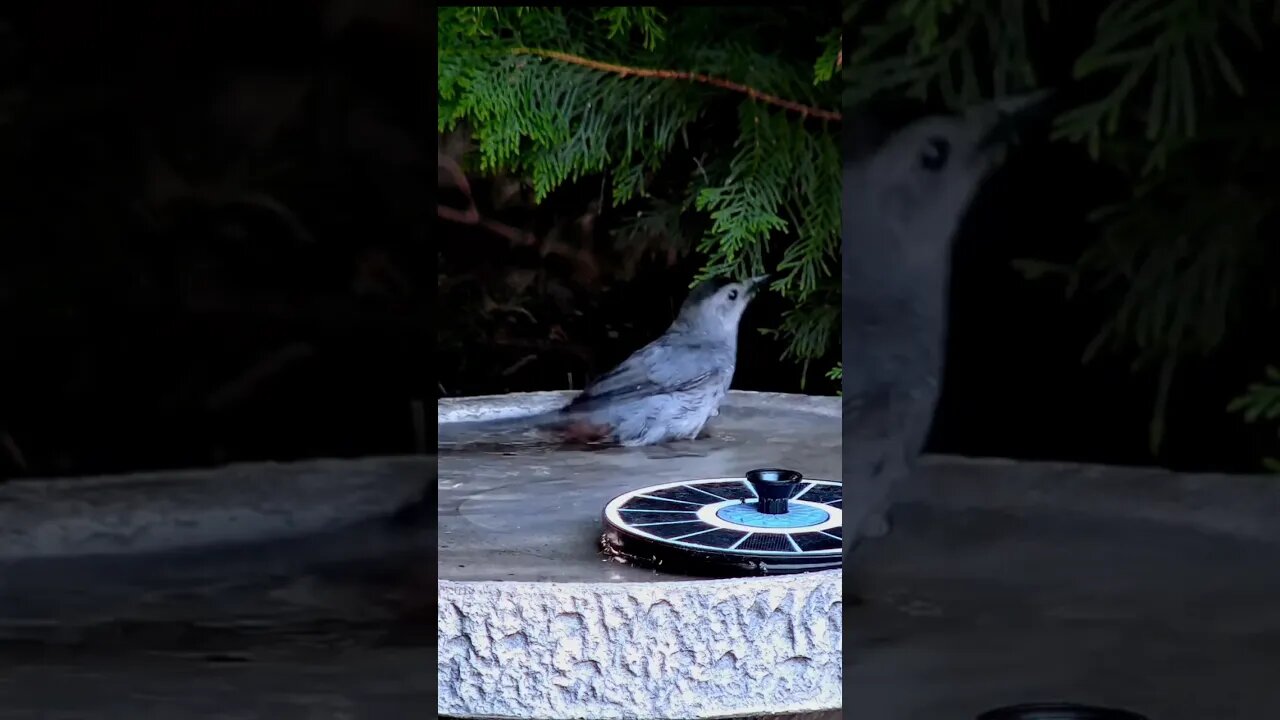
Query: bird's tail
[[510, 430]]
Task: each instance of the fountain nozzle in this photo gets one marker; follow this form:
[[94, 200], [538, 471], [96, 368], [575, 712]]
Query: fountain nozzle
[[773, 487]]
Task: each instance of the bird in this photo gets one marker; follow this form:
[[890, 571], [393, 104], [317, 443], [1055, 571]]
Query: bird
[[901, 204], [666, 391]]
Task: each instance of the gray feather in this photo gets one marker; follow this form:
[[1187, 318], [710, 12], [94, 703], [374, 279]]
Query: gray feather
[[665, 391]]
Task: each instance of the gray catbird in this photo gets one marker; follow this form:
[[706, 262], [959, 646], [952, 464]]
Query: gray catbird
[[667, 390], [901, 205]]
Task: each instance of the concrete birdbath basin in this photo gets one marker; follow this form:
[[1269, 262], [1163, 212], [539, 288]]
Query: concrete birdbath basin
[[1007, 582], [534, 622], [252, 590]]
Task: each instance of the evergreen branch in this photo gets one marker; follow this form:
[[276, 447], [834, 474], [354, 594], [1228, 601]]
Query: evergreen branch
[[1261, 401], [828, 64], [1173, 56], [628, 71], [552, 95]]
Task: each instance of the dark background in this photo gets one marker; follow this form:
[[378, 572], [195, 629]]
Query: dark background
[[216, 249], [215, 232], [1015, 384]]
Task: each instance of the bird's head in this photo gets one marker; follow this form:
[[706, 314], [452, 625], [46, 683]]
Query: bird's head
[[714, 308], [913, 190]]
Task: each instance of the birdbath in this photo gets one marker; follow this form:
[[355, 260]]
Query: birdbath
[[537, 621]]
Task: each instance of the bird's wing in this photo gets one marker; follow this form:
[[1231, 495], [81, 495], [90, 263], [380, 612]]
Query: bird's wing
[[657, 368]]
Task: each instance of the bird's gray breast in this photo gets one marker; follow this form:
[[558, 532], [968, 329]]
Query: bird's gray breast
[[695, 384], [891, 383]]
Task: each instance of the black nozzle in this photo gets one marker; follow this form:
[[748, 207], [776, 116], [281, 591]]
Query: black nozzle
[[773, 487], [1058, 711]]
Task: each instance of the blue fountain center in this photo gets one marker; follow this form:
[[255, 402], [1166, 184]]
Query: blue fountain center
[[796, 516]]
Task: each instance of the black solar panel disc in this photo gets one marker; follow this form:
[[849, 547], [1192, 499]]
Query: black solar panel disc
[[774, 523]]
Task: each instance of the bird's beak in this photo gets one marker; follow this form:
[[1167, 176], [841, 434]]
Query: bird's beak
[[1003, 118], [757, 283]]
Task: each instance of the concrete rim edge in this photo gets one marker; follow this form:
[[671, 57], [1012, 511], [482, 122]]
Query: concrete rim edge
[[489, 407], [186, 509]]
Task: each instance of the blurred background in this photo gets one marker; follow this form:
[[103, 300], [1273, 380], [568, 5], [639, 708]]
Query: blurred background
[[215, 232], [1114, 296]]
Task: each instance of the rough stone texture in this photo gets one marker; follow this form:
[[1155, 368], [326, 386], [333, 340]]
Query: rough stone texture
[[697, 649], [633, 643], [160, 511]]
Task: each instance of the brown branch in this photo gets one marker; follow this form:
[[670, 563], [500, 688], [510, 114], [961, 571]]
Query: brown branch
[[14, 451], [624, 71], [470, 215], [464, 217]]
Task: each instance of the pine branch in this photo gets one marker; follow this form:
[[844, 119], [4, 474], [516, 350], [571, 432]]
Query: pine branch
[[555, 95], [628, 71]]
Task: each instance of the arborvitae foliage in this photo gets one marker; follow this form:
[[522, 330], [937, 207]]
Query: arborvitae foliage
[[1261, 403], [558, 96], [1178, 99]]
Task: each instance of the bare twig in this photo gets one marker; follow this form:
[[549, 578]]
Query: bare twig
[[513, 234], [277, 208], [419, 412], [470, 215], [515, 367], [491, 306], [15, 452], [465, 217], [239, 388], [625, 71]]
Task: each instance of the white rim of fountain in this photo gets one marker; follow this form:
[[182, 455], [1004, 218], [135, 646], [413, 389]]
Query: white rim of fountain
[[676, 649]]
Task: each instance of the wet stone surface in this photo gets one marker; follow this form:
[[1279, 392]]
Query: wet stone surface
[[335, 625], [965, 609], [534, 513]]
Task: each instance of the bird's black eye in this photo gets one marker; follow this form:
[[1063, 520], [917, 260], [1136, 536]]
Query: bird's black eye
[[733, 294], [935, 154]]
